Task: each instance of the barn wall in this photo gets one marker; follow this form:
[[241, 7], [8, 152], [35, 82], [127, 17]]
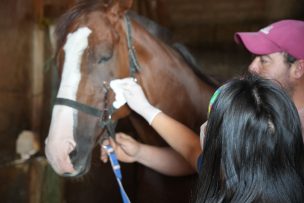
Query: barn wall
[[15, 53], [22, 54], [208, 22]]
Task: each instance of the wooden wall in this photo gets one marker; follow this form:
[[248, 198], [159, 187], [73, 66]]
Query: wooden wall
[[23, 54], [213, 22], [15, 55]]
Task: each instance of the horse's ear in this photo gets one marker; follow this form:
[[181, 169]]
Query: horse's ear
[[125, 5], [117, 8]]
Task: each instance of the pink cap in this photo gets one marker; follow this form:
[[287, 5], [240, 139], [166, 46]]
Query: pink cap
[[285, 35]]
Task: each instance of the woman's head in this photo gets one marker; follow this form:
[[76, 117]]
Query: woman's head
[[253, 141]]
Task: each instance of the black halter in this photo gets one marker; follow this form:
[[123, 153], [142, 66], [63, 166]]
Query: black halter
[[105, 115]]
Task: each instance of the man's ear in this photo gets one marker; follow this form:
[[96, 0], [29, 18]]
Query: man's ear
[[298, 71]]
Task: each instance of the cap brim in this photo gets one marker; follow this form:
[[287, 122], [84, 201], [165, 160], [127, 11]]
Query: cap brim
[[256, 43]]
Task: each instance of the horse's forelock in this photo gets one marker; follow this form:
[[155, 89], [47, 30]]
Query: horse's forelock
[[82, 8]]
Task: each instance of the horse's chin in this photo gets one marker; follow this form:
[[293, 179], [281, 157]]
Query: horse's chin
[[81, 167], [77, 173]]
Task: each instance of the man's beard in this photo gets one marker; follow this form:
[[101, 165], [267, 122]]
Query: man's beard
[[289, 88]]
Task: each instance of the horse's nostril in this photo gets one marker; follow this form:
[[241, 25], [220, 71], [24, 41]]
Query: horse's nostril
[[73, 155]]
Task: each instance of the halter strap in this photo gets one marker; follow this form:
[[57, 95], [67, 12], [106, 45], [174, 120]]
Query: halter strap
[[116, 169], [79, 106], [102, 114], [133, 62]]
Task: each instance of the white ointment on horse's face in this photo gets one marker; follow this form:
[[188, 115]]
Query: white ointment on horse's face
[[60, 141], [120, 100]]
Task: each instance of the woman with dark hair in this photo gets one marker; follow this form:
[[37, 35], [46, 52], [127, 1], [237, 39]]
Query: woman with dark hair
[[252, 152]]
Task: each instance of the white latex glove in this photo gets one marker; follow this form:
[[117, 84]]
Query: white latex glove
[[135, 98]]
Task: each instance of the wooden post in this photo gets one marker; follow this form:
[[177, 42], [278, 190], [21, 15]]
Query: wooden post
[[37, 78], [44, 185], [38, 10]]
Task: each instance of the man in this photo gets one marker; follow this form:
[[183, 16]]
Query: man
[[279, 51], [279, 54]]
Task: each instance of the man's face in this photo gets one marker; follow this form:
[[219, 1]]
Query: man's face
[[274, 67]]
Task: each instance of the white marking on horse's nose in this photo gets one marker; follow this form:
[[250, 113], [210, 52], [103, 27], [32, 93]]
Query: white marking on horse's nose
[[60, 142]]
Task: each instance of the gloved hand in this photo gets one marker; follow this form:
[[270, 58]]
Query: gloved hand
[[135, 98]]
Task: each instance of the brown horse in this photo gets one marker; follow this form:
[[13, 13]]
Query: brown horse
[[99, 42]]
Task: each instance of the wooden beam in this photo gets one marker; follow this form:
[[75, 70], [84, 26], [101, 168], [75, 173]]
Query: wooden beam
[[37, 78], [38, 6]]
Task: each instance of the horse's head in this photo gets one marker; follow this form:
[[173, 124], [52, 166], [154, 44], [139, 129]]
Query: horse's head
[[91, 52]]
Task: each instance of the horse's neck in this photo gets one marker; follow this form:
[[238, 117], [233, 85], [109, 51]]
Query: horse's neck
[[169, 82]]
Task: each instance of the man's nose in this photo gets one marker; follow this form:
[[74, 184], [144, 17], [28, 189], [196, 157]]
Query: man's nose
[[254, 67]]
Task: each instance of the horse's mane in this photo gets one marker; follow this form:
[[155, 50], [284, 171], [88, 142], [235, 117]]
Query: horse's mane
[[152, 27], [86, 6], [191, 61], [164, 34]]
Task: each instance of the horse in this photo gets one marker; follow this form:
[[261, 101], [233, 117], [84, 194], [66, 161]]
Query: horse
[[96, 43]]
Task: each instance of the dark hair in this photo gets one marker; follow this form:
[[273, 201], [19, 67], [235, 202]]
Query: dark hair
[[254, 148]]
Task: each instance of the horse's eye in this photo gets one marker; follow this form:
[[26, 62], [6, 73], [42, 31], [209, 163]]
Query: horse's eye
[[104, 59], [102, 53]]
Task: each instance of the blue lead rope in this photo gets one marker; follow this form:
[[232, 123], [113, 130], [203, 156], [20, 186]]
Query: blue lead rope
[[116, 169]]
